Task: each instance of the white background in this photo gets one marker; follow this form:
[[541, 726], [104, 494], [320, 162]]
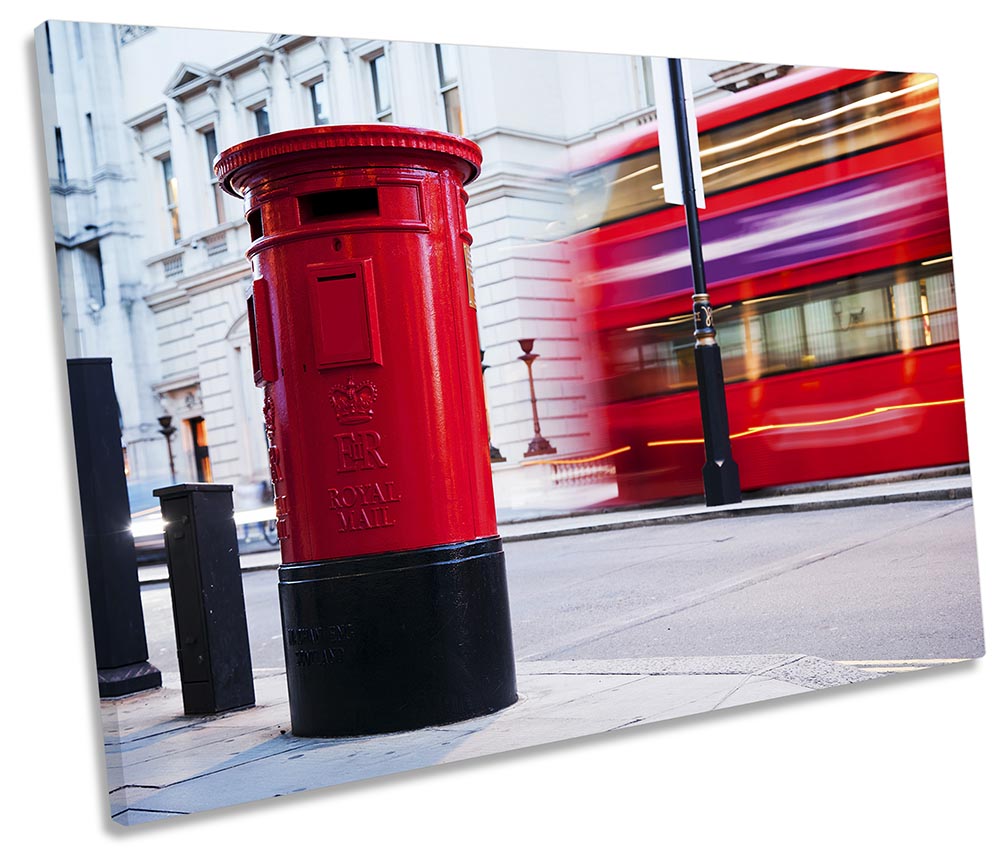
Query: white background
[[906, 764]]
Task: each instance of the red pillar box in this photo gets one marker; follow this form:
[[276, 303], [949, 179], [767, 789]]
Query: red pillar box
[[392, 584]]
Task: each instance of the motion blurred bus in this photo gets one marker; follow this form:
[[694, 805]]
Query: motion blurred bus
[[828, 263]]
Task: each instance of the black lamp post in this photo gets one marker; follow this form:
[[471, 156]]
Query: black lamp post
[[168, 431], [539, 444], [720, 475]]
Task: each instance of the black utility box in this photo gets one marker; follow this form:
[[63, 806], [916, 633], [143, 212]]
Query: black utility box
[[206, 589]]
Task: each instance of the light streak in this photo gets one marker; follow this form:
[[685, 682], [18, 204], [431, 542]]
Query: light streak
[[875, 411], [634, 174], [766, 299], [677, 319], [154, 524], [670, 322], [936, 260], [255, 515], [659, 442], [847, 129], [812, 120], [591, 459], [147, 527]]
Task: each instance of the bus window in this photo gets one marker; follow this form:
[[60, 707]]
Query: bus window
[[864, 316], [877, 112], [871, 114]]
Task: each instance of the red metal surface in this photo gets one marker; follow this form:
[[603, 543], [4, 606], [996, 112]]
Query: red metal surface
[[917, 429], [365, 337]]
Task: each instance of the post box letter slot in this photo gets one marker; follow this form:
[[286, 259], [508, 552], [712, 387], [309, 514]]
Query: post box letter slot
[[262, 339], [345, 325], [339, 204], [256, 223]]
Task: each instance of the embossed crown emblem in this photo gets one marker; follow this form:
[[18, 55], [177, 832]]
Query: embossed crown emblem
[[353, 401]]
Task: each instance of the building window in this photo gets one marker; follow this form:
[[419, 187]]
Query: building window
[[170, 187], [200, 447], [448, 85], [91, 141], [871, 314], [316, 102], [93, 268], [60, 157], [262, 121], [48, 46], [381, 92], [211, 152]]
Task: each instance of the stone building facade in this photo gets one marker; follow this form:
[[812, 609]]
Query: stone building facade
[[151, 251]]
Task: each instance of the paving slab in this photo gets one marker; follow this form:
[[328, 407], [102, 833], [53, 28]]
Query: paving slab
[[163, 764]]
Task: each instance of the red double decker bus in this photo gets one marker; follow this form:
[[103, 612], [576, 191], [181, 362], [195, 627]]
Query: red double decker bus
[[828, 261]]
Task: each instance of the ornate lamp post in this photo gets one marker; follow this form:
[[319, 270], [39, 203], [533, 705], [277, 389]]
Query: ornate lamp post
[[168, 431], [495, 455], [539, 444]]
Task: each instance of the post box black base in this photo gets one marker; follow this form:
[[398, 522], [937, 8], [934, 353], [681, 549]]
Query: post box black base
[[127, 680], [397, 641]]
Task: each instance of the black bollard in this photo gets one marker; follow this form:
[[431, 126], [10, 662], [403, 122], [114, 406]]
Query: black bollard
[[206, 590], [112, 574]]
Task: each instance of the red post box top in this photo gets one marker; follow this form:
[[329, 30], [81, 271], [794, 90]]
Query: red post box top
[[305, 142]]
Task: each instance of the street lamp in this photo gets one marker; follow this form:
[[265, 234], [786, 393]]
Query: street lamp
[[720, 474], [539, 444], [168, 431]]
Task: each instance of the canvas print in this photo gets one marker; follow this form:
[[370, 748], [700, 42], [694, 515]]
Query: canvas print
[[431, 401]]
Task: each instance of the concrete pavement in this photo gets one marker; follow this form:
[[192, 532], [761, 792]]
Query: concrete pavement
[[922, 485], [164, 764]]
